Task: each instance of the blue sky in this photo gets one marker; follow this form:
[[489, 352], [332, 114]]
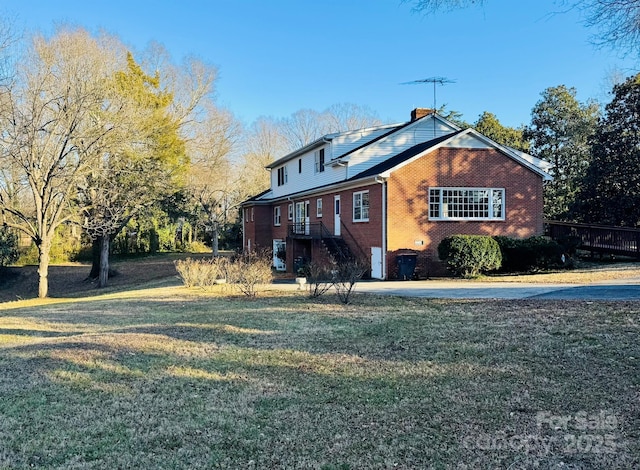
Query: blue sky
[[278, 56]]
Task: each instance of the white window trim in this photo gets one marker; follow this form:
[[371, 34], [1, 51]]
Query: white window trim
[[319, 207], [277, 216], [281, 181], [290, 212], [491, 217], [353, 212]]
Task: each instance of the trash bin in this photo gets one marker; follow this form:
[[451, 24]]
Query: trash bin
[[406, 265]]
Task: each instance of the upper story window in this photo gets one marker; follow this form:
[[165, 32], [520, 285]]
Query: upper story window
[[282, 175], [319, 160], [276, 216], [299, 165], [361, 206], [290, 212], [466, 204], [318, 207]]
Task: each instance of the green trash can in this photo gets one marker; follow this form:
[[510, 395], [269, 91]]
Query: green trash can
[[406, 265]]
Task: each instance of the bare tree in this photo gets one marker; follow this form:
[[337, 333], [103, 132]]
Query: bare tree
[[50, 134], [264, 142], [617, 22], [213, 182], [348, 116]]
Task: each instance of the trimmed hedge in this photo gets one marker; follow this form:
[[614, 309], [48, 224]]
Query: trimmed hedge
[[470, 255], [530, 254]]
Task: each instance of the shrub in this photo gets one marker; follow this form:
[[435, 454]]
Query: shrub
[[202, 272], [470, 255], [196, 246], [320, 277], [347, 275], [529, 254], [249, 270], [8, 247]]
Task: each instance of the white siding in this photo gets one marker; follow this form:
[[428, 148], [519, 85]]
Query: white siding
[[308, 179], [348, 141], [421, 131], [467, 141]]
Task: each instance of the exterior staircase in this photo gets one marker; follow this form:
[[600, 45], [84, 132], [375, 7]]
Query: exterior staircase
[[338, 249]]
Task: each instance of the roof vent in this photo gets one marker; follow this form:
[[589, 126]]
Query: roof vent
[[420, 112]]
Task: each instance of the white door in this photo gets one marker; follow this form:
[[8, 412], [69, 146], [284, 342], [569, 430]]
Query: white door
[[376, 262], [336, 216], [302, 217], [279, 248]]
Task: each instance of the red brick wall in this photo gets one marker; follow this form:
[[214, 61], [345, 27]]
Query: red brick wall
[[362, 234], [258, 230], [408, 191]]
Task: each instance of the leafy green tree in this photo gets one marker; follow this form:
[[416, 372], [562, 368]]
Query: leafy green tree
[[489, 125], [144, 161], [8, 246], [611, 190], [559, 132]]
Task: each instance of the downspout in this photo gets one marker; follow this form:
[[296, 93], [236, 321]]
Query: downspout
[[244, 232], [383, 182]]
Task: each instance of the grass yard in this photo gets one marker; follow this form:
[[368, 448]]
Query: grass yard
[[177, 378]]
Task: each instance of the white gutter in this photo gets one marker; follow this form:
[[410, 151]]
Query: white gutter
[[244, 231]]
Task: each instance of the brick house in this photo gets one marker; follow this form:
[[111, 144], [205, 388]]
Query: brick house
[[387, 190]]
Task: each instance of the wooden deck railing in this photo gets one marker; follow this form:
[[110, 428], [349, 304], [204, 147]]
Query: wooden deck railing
[[598, 238]]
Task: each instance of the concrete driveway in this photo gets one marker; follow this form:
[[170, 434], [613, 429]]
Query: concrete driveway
[[622, 289]]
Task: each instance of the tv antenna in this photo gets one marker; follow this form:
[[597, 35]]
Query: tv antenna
[[434, 80]]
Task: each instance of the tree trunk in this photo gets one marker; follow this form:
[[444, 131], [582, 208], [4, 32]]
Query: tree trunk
[[214, 238], [95, 259], [104, 261], [43, 267]]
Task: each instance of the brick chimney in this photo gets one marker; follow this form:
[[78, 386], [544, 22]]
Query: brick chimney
[[420, 112]]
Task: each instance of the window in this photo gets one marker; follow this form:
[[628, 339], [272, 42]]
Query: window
[[361, 206], [252, 214], [318, 207], [466, 203], [319, 158], [276, 216], [299, 165], [282, 175], [290, 212]]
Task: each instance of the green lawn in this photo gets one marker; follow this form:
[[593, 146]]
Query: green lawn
[[175, 378]]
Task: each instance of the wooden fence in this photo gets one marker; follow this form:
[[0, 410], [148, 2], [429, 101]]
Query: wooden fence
[[597, 238]]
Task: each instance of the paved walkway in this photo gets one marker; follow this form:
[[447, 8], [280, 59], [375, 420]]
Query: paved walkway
[[620, 289]]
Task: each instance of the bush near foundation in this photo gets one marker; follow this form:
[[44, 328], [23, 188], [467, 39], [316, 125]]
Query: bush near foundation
[[470, 255], [531, 254]]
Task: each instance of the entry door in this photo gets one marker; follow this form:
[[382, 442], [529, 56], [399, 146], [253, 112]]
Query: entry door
[[336, 216], [302, 217], [279, 248], [376, 262]]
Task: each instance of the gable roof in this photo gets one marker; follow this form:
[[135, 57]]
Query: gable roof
[[400, 158], [534, 164], [327, 138], [399, 128]]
